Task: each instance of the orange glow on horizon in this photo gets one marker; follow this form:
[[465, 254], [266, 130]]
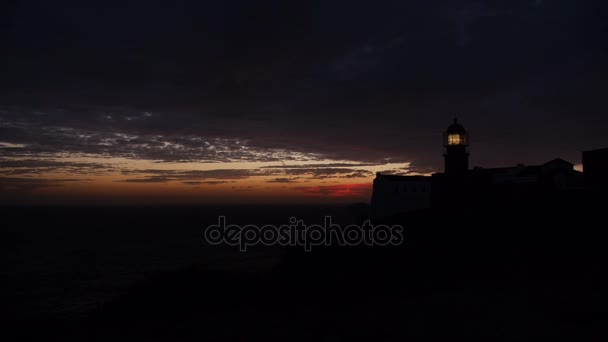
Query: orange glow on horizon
[[146, 181]]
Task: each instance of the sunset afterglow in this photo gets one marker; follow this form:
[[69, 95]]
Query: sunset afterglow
[[89, 178]]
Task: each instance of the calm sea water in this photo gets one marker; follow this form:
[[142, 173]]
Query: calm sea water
[[65, 261]]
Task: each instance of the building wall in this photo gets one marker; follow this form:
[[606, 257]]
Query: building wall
[[595, 167], [392, 195]]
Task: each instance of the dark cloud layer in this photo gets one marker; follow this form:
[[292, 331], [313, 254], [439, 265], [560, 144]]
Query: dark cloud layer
[[220, 176], [349, 80], [41, 166], [23, 184]]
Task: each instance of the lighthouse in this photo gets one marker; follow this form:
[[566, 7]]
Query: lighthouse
[[456, 156]]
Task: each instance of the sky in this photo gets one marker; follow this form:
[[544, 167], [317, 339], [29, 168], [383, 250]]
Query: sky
[[275, 101]]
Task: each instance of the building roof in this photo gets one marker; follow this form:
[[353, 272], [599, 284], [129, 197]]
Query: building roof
[[558, 160], [523, 170], [493, 170], [596, 151], [456, 128]]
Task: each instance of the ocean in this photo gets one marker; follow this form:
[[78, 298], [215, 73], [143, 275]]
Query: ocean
[[64, 262]]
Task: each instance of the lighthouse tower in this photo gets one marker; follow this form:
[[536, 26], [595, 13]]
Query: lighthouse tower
[[456, 156]]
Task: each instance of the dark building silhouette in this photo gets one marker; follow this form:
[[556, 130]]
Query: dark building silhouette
[[459, 187], [595, 167], [393, 194]]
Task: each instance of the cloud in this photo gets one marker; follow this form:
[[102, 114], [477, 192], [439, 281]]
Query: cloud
[[44, 166], [11, 145], [19, 184], [358, 174], [198, 176], [382, 81], [242, 188], [59, 132], [159, 179], [215, 175], [322, 165], [323, 173], [206, 182], [284, 180]]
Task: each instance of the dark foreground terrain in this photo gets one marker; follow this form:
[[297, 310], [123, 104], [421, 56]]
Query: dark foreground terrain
[[132, 274]]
